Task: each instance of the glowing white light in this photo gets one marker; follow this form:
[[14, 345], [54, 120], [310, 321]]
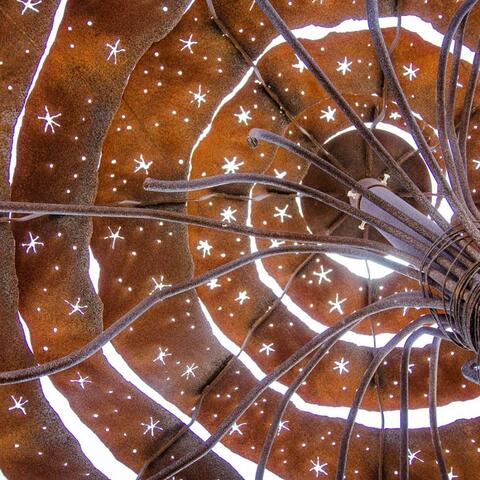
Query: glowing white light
[[246, 468], [356, 265], [93, 270], [418, 418], [93, 448], [313, 32]]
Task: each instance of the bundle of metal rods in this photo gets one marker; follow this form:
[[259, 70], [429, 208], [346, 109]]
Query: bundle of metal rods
[[447, 269]]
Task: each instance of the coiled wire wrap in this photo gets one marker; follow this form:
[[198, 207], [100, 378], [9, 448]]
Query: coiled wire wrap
[[462, 302]]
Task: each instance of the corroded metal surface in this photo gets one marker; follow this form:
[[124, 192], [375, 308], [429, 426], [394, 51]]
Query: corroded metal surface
[[121, 93]]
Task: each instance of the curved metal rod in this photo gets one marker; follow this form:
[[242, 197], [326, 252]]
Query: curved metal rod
[[405, 362], [74, 358], [453, 81], [269, 89], [182, 218], [393, 301], [468, 104], [25, 218], [454, 70], [376, 382], [460, 313], [223, 369], [282, 407], [404, 107], [448, 108], [457, 318], [445, 114], [381, 114], [376, 379], [432, 408], [362, 388], [376, 146], [216, 180], [257, 134], [325, 82], [154, 185], [451, 318], [457, 203], [260, 134]]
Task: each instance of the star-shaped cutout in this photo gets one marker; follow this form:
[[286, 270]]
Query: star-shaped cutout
[[142, 165], [451, 475], [274, 243], [344, 66], [114, 236], [236, 428], [190, 370], [282, 426], [337, 304], [231, 166], [32, 244], [242, 297], [228, 214], [81, 380], [410, 72], [267, 348], [328, 114], [18, 404], [243, 116], [477, 164], [198, 96], [49, 120], [159, 285], [282, 213], [162, 355], [76, 307], [204, 247], [213, 283], [318, 467], [300, 66], [412, 456], [29, 5], [188, 44], [323, 275], [114, 51], [151, 427], [341, 366]]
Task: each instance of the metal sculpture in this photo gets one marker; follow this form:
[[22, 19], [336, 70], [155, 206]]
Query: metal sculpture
[[421, 244]]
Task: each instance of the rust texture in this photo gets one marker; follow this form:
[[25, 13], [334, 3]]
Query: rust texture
[[171, 370]]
